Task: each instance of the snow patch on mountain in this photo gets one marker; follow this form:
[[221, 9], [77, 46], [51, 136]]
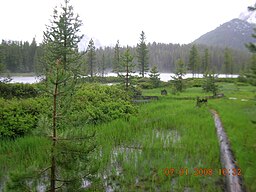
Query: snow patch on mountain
[[249, 16]]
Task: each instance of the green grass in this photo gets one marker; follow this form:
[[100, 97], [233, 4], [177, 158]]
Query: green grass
[[19, 154], [164, 134], [240, 92], [188, 93], [237, 111], [146, 155], [237, 116], [133, 154]]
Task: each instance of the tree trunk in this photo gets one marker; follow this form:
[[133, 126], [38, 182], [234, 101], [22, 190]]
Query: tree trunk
[[127, 75], [54, 134]]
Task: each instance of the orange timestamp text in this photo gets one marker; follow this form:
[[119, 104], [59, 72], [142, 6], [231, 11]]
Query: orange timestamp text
[[201, 172]]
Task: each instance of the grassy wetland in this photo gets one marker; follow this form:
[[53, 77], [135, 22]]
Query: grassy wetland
[[71, 132], [166, 145]]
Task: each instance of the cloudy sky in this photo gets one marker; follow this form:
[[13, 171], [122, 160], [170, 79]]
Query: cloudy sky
[[106, 21]]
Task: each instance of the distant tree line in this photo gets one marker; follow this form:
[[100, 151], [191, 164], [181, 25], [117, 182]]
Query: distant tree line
[[18, 56]]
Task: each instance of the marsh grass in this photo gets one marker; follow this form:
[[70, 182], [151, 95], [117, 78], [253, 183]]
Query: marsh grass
[[133, 153], [22, 157], [192, 92], [237, 117], [164, 134]]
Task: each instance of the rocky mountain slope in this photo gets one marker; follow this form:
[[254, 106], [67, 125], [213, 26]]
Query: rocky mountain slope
[[234, 34]]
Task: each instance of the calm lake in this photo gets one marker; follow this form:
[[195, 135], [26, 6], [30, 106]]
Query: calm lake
[[163, 76]]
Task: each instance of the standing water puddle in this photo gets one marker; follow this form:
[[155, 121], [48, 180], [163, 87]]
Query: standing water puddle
[[127, 154], [130, 154], [167, 136]]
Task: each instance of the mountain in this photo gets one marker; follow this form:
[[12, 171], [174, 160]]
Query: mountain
[[233, 34]]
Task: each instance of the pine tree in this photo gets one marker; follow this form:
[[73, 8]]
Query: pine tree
[[91, 59], [154, 76], [142, 55], [178, 80], [116, 59], [209, 84], [228, 67], [127, 67], [251, 74], [61, 42], [206, 61], [193, 60], [69, 153], [32, 55], [3, 78], [102, 66], [252, 47], [62, 36], [2, 66]]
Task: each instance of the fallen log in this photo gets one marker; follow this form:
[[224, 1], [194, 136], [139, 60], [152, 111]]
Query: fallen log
[[234, 183]]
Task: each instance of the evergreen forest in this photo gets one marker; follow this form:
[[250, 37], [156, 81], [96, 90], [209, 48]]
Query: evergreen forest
[[26, 57]]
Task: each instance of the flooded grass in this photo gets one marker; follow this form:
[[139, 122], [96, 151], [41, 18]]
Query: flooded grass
[[134, 154], [165, 134], [170, 145]]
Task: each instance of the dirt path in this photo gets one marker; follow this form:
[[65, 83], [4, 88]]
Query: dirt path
[[233, 183]]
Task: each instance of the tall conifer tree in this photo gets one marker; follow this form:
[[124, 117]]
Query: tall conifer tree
[[116, 59], [91, 58], [206, 61], [228, 68], [193, 60], [154, 76], [69, 153], [142, 55], [252, 47], [127, 67], [180, 71]]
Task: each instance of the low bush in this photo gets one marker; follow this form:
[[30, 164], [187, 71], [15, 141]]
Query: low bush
[[91, 104], [145, 83], [17, 90], [110, 79], [194, 82], [94, 104], [242, 78], [227, 80], [19, 117]]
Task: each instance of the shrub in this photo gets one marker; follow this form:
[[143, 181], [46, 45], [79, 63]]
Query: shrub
[[18, 90], [227, 80], [210, 84], [91, 104], [19, 117], [94, 104], [145, 83], [195, 82], [242, 78]]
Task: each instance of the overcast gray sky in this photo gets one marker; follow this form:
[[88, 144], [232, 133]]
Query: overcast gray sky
[[167, 21]]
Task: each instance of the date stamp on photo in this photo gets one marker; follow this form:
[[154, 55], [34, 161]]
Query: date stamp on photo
[[171, 171]]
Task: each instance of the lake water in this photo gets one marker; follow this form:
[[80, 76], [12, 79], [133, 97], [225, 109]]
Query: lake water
[[163, 76], [29, 80]]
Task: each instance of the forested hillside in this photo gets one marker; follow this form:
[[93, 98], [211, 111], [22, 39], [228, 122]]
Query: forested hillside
[[164, 56], [17, 56]]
